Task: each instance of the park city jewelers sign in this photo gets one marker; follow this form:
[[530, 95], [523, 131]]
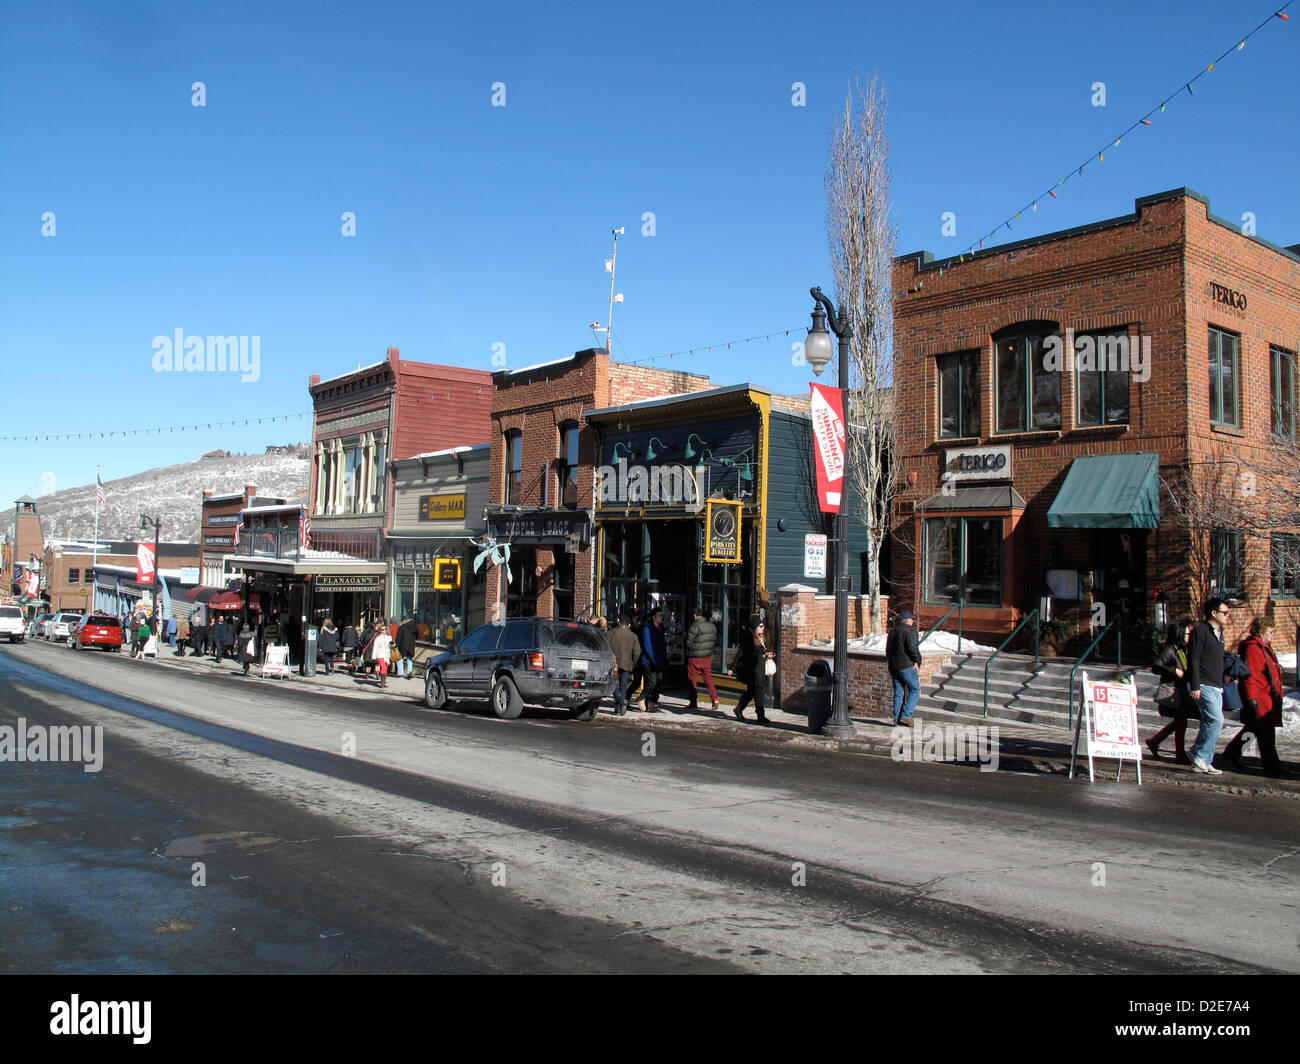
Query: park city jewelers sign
[[442, 507], [977, 463]]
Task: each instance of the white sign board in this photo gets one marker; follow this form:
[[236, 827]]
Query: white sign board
[[1108, 722], [814, 555]]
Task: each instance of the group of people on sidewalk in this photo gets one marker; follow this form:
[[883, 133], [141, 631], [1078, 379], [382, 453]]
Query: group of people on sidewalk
[[1201, 679]]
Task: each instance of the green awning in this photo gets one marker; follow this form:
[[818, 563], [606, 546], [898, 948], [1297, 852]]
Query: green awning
[[1109, 491]]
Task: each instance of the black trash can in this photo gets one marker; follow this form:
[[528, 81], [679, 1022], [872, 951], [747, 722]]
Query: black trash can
[[819, 689]]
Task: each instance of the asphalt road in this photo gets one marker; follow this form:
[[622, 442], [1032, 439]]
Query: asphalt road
[[354, 834]]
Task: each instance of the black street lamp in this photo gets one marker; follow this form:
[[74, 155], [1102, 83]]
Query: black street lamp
[[157, 565], [817, 350]]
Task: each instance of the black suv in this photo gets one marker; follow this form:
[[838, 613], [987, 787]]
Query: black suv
[[525, 660]]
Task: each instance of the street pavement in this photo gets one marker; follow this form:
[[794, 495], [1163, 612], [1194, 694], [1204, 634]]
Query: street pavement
[[348, 830]]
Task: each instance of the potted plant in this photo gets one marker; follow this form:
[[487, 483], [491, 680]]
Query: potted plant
[[1052, 634]]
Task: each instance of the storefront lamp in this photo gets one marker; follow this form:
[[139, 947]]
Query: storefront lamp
[[691, 452], [619, 457], [650, 453]]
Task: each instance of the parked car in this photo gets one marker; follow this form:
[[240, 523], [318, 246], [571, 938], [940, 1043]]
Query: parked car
[[60, 625], [525, 661], [12, 625], [37, 625], [97, 630]]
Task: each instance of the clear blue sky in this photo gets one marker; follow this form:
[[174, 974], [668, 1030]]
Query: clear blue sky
[[481, 225]]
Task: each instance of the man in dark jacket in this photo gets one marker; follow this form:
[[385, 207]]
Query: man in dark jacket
[[1205, 667], [654, 658], [627, 652], [219, 635], [903, 656], [407, 633], [701, 640]]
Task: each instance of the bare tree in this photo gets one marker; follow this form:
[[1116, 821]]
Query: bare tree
[[862, 234]]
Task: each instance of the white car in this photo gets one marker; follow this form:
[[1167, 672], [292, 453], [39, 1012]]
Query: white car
[[62, 623], [11, 624]]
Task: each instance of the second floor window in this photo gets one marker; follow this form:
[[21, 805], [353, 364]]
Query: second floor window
[[514, 466], [1225, 350], [959, 394], [1102, 377], [569, 464], [1282, 377], [74, 576], [1285, 560], [1028, 394]]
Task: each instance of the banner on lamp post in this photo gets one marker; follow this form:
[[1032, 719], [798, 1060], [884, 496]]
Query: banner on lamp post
[[144, 563], [828, 433]]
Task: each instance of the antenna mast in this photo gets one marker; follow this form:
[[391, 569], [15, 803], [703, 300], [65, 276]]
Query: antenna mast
[[611, 264]]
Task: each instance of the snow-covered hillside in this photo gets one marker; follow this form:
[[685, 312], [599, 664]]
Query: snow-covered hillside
[[173, 492]]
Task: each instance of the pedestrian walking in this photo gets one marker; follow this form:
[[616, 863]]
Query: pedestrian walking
[[627, 652], [1205, 668], [751, 669], [182, 636], [329, 644], [380, 648], [407, 634], [219, 635], [654, 658], [246, 646], [198, 636], [903, 657], [701, 641], [172, 628], [350, 641], [1172, 698], [1261, 706], [367, 648]]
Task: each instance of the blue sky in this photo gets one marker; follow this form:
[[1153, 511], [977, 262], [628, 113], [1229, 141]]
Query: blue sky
[[479, 225]]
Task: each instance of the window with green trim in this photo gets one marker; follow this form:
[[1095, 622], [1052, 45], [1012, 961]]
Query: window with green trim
[[1225, 359]]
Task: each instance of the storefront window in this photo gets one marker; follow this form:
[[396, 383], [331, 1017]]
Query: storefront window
[[1029, 395], [1103, 379], [963, 553], [959, 394], [562, 589], [1224, 348]]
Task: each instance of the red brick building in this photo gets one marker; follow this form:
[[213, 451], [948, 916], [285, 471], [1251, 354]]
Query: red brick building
[[542, 474], [1064, 402], [218, 521]]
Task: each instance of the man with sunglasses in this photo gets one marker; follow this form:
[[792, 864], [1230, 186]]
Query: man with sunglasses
[[1205, 668]]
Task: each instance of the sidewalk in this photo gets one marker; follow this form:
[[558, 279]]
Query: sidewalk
[[1022, 748]]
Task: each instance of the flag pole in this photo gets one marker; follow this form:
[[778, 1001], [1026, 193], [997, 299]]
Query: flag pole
[[95, 549]]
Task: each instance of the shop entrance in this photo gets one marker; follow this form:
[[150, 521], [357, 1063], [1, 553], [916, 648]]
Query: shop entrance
[[1119, 580]]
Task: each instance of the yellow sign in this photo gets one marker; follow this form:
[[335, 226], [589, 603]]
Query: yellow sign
[[442, 507], [722, 531], [446, 573]]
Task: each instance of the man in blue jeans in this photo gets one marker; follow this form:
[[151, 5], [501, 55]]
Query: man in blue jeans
[[903, 656], [1205, 666]]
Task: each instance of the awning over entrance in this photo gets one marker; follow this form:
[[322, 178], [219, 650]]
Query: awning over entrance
[[1109, 491], [986, 497]]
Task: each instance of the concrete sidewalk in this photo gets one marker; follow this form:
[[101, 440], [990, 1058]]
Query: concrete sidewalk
[[1021, 747]]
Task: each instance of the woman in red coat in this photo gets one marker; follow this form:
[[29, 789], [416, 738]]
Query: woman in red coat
[[1261, 699]]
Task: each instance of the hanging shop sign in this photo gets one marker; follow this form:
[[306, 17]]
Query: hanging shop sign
[[722, 531], [977, 463], [446, 574], [828, 433], [547, 527], [442, 507], [348, 583]]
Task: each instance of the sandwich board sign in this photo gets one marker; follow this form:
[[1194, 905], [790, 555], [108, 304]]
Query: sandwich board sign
[[1108, 723]]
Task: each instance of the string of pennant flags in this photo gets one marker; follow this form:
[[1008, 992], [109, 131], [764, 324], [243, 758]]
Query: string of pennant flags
[[1099, 156], [708, 348], [40, 437]]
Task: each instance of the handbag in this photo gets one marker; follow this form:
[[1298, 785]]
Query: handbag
[[769, 667], [394, 654]]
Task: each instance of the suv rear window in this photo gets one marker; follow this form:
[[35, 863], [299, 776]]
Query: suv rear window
[[11, 611], [522, 636], [577, 636], [101, 619]]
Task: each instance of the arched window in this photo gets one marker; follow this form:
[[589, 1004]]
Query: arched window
[[1028, 392]]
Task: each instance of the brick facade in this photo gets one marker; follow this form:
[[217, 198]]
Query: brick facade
[[1148, 275]]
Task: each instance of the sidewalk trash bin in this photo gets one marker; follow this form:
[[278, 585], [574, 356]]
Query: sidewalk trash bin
[[819, 687], [309, 653]]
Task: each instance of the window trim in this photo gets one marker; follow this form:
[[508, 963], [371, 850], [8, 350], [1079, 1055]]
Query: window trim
[[1216, 376], [1289, 586], [1022, 333], [1105, 422], [1220, 539], [964, 431], [962, 543], [569, 473], [1277, 354], [514, 448]]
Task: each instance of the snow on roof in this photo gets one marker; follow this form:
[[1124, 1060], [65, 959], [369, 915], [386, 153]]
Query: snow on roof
[[449, 450], [221, 498], [540, 365], [270, 509], [349, 373]]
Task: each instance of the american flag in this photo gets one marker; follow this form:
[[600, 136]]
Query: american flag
[[304, 529], [99, 491]]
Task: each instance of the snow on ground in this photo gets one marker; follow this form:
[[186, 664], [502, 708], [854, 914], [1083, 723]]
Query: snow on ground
[[945, 642]]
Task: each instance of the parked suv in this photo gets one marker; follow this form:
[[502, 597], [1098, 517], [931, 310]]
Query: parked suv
[[61, 624], [11, 623], [96, 630], [525, 661]]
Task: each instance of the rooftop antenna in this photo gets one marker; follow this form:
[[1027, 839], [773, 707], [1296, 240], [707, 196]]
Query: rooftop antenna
[[611, 264]]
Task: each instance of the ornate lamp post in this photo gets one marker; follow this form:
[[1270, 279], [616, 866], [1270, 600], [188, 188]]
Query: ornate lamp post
[[817, 350]]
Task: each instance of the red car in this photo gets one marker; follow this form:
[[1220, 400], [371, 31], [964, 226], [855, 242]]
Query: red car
[[97, 630]]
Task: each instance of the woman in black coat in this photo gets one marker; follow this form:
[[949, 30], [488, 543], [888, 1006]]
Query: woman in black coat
[[329, 644], [1171, 666], [750, 668], [349, 644]]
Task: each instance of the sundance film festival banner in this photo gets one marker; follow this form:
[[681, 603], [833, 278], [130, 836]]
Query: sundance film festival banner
[[144, 562], [828, 433]]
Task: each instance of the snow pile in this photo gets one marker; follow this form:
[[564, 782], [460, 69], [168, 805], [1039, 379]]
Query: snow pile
[[940, 642]]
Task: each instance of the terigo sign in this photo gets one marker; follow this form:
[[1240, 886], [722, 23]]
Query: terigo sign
[[1229, 297]]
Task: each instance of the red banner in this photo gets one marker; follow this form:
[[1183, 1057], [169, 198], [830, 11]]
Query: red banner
[[144, 563], [828, 432]]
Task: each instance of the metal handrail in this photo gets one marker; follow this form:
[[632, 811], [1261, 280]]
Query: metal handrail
[[1069, 720], [1032, 615], [937, 624]]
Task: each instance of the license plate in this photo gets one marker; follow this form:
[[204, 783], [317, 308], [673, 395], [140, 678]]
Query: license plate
[[579, 664]]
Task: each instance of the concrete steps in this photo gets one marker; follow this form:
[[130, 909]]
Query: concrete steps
[[1021, 691]]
